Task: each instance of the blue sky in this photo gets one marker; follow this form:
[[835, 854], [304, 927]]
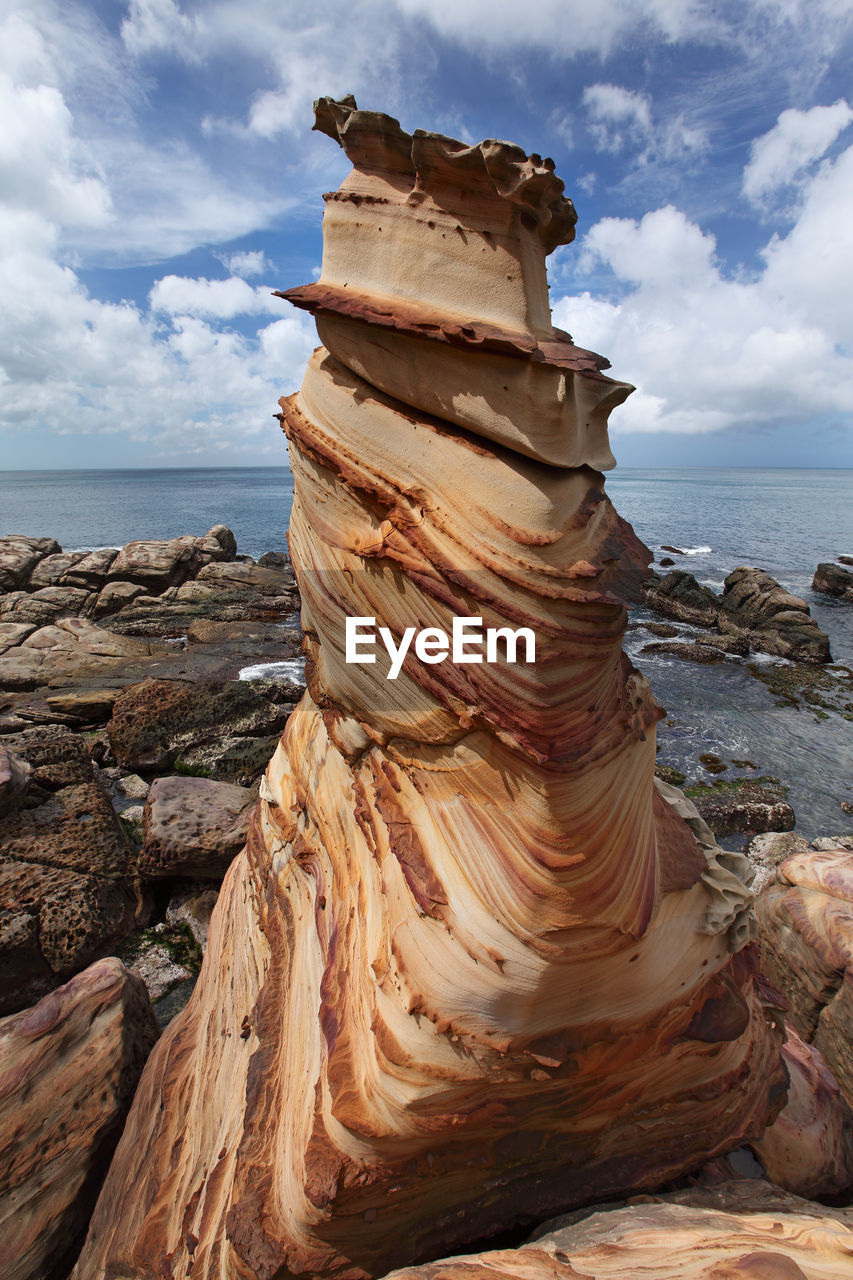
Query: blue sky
[[159, 177]]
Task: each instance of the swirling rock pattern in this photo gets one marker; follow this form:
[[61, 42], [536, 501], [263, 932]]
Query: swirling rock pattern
[[473, 967]]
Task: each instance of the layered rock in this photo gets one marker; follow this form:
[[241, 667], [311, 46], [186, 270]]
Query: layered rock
[[806, 922], [68, 1069], [739, 1230], [809, 1148], [474, 966]]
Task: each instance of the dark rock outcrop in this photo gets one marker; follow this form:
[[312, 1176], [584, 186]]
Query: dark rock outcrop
[[772, 620], [832, 580], [743, 804], [754, 609], [679, 595], [68, 882], [219, 728]]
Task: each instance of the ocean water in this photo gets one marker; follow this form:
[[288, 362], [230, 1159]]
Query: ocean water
[[784, 521]]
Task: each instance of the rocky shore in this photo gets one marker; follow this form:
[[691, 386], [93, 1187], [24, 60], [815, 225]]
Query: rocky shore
[[130, 749]]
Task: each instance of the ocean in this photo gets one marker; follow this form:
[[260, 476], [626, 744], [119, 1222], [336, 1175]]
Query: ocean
[[784, 521]]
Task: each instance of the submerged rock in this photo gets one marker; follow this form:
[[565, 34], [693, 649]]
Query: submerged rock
[[382, 1061]]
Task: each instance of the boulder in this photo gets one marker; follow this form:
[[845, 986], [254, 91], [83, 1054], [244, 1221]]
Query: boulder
[[19, 556], [46, 605], [114, 596], [13, 633], [193, 827], [68, 1070], [68, 882], [83, 707], [832, 580], [809, 1147], [218, 543], [274, 560], [156, 565], [767, 851], [772, 620], [159, 722], [248, 577], [679, 595], [50, 571], [91, 572]]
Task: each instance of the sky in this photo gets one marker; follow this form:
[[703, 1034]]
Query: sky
[[159, 178]]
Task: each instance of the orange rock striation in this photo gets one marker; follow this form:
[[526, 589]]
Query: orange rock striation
[[474, 967]]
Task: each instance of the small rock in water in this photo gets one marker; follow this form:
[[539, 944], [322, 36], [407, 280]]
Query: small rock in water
[[712, 763], [830, 580]]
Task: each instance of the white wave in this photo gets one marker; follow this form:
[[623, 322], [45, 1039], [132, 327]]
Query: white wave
[[696, 551], [110, 546], [287, 669]]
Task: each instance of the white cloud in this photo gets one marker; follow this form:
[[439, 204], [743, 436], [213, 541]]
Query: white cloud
[[71, 363], [246, 263], [570, 26], [213, 299], [152, 25], [708, 351], [796, 141], [620, 118]]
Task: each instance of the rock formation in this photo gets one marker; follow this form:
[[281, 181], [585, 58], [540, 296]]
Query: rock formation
[[739, 1230], [69, 887], [806, 922], [832, 580], [473, 967], [753, 608], [809, 1148], [68, 1068]]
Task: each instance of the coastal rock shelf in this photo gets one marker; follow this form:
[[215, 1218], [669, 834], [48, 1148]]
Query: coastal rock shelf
[[474, 966]]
